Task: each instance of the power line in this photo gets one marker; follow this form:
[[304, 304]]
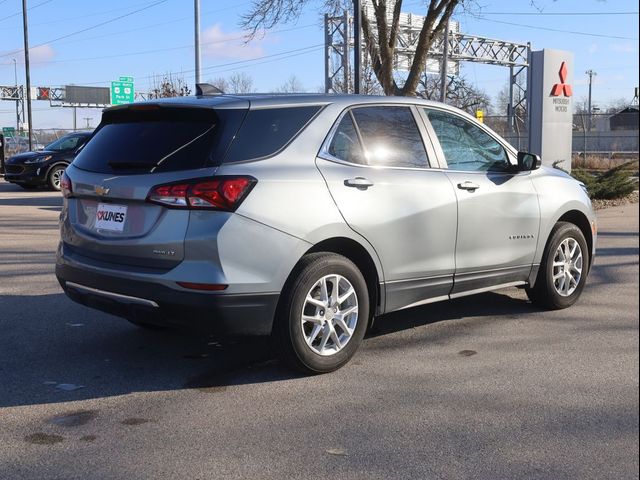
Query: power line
[[165, 49], [29, 9], [181, 19], [560, 14], [67, 19], [587, 34], [90, 28], [285, 54]]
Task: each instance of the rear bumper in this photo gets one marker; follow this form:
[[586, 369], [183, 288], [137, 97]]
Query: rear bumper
[[232, 314]]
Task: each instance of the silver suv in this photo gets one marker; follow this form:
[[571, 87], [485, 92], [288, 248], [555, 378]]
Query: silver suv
[[306, 216]]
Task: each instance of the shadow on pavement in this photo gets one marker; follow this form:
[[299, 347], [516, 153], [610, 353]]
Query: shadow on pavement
[[53, 350]]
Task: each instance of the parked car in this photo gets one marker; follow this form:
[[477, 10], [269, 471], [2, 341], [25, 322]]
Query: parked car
[[304, 217], [18, 144], [45, 167]]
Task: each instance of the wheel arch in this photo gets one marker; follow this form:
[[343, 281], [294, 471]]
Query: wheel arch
[[581, 221], [359, 255], [54, 165]]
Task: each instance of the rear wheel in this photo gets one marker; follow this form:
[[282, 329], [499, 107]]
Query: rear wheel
[[563, 269], [323, 313], [55, 176]]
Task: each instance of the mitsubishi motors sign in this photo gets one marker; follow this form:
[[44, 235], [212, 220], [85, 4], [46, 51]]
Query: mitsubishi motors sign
[[551, 106]]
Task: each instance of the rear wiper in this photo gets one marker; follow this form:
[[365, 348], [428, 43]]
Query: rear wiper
[[116, 165]]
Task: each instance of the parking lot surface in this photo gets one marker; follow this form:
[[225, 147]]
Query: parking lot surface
[[484, 387]]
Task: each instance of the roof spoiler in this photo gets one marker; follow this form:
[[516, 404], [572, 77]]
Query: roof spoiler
[[207, 89]]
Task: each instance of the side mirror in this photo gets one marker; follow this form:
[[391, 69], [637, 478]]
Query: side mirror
[[528, 161]]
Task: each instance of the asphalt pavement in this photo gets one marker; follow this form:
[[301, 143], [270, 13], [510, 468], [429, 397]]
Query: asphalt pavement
[[484, 387]]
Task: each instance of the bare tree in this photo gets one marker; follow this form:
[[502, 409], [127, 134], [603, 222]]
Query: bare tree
[[291, 85], [220, 83], [240, 82], [381, 38], [617, 104], [169, 85], [369, 83], [460, 93]]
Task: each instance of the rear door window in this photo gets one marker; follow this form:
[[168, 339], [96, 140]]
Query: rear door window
[[266, 131], [159, 140], [390, 136], [345, 144]]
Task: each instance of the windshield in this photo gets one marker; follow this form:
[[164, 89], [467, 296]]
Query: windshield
[[70, 142]]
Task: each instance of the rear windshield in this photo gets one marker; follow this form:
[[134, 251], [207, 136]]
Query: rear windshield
[[159, 140], [266, 131]]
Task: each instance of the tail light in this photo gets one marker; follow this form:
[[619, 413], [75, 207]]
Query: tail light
[[65, 185], [217, 193]]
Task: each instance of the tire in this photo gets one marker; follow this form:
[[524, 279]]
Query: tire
[[311, 346], [54, 176], [563, 290]]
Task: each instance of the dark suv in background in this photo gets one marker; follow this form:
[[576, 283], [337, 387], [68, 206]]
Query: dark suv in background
[[45, 167]]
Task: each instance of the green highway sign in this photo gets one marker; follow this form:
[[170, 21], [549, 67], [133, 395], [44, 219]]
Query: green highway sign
[[122, 91], [8, 131]]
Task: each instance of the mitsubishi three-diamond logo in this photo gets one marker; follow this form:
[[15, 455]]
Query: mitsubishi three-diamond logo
[[562, 88]]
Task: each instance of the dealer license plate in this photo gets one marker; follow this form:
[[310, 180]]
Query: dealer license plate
[[111, 217]]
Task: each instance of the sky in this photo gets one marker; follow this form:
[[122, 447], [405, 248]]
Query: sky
[[92, 43]]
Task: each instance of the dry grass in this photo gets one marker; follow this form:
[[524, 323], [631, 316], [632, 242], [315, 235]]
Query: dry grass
[[600, 162]]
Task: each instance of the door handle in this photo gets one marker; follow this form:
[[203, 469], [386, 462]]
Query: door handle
[[468, 186], [360, 183]]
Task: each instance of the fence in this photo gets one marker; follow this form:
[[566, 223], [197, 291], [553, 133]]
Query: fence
[[600, 141], [41, 137]]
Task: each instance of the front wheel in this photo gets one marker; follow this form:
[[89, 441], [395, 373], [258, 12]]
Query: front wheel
[[323, 313], [55, 176], [563, 270]]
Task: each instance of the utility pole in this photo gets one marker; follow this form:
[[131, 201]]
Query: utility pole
[[357, 44], [196, 10], [26, 69], [445, 65], [591, 74], [15, 81]]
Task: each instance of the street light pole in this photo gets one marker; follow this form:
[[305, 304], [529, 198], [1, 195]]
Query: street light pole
[[357, 43], [26, 69], [196, 10], [445, 65], [591, 74], [15, 81]]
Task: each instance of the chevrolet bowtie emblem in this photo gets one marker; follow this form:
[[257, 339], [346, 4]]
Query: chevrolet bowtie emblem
[[100, 190]]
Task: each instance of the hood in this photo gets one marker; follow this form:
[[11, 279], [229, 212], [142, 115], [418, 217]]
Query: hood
[[21, 157]]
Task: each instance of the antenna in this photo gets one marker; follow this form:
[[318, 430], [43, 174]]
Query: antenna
[[207, 89]]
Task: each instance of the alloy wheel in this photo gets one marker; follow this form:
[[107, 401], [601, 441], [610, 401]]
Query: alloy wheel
[[567, 267], [329, 315]]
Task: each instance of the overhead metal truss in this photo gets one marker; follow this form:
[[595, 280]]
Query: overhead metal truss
[[55, 95], [462, 48], [15, 93]]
